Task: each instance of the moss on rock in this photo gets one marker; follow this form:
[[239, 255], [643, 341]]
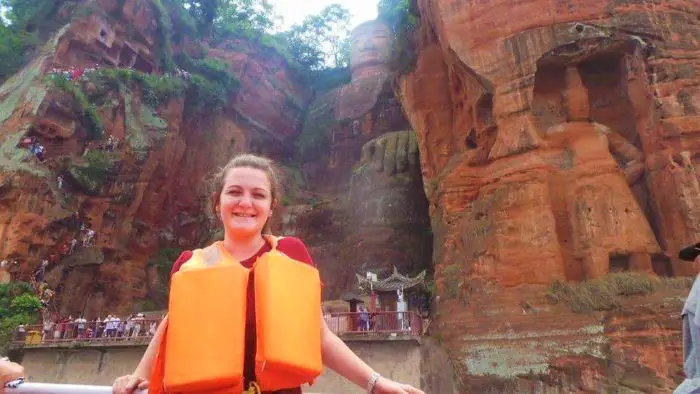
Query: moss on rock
[[144, 128], [91, 172]]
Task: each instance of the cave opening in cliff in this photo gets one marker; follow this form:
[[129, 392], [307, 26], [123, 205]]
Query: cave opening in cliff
[[619, 263]]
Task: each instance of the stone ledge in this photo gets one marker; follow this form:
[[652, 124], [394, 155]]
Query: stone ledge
[[375, 337], [82, 345]]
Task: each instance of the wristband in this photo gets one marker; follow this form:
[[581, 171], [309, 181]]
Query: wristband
[[373, 379]]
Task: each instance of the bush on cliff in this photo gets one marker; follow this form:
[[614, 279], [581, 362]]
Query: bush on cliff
[[210, 84], [155, 89], [163, 262], [603, 294], [18, 305]]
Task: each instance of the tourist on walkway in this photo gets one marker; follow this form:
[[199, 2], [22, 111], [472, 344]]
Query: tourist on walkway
[[48, 329], [246, 194], [81, 324], [364, 318], [99, 328], [120, 326], [137, 324]]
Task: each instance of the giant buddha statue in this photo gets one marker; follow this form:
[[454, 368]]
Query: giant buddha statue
[[373, 164]]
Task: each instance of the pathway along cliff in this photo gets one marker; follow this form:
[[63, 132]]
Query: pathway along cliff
[[536, 160]]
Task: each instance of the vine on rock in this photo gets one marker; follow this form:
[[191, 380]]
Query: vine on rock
[[403, 18]]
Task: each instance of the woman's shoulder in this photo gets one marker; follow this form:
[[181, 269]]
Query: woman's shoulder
[[185, 255], [295, 248]]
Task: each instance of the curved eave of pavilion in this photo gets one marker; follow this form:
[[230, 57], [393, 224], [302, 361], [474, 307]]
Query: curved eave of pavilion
[[394, 282]]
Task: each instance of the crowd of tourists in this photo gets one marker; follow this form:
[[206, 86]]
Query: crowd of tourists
[[72, 73], [56, 328]]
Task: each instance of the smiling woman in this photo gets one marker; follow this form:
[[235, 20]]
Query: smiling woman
[[264, 296]]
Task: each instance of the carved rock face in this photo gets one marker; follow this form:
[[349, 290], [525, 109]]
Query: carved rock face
[[371, 49], [557, 142], [574, 102]]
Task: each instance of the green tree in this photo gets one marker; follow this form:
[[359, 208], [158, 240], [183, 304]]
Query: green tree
[[203, 12], [225, 18], [11, 48], [25, 304], [321, 39], [246, 17], [18, 305]]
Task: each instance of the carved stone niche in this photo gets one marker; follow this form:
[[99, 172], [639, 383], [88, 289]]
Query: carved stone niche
[[584, 107]]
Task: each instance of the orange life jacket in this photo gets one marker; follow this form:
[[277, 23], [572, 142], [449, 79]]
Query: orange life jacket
[[203, 347]]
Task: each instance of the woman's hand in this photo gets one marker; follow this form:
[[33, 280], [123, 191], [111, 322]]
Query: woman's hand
[[9, 371], [386, 386], [128, 383]]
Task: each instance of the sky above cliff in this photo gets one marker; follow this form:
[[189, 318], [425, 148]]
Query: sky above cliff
[[294, 11]]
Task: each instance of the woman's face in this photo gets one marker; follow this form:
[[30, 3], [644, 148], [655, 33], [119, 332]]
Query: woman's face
[[245, 202]]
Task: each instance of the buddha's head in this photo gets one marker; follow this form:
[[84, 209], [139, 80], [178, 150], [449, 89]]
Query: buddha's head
[[371, 48]]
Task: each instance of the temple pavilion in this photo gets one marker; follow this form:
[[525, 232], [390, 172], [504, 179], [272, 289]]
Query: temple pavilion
[[388, 294]]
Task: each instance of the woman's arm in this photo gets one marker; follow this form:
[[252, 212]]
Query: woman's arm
[[139, 378], [338, 357], [143, 370]]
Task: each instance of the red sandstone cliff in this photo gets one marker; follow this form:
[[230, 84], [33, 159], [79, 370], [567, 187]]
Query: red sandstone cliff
[[150, 191], [557, 142]]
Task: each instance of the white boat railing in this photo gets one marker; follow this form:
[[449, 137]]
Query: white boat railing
[[50, 388]]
